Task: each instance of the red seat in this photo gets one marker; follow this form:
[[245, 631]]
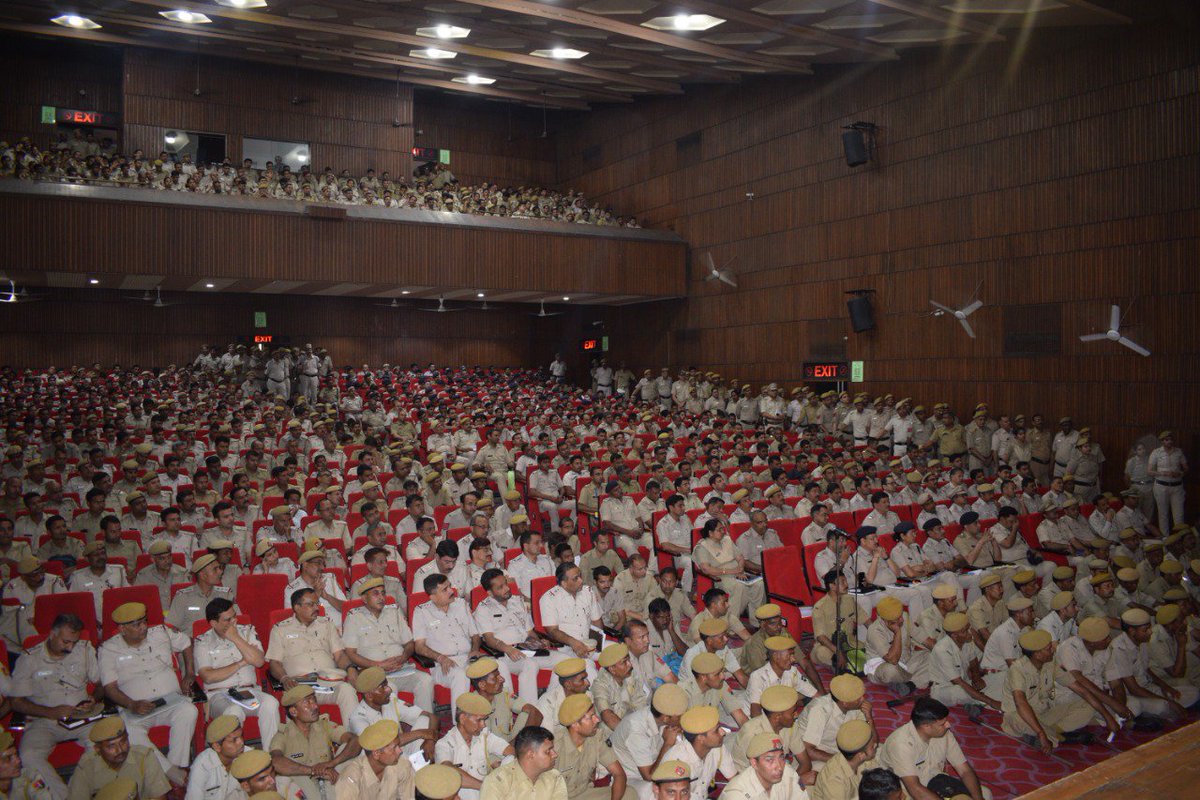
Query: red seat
[[82, 604], [140, 593], [537, 588], [786, 585], [789, 530], [859, 516], [843, 520], [410, 572], [258, 596]]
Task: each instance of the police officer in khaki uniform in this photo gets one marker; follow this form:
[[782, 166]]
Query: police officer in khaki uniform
[[615, 690], [209, 778], [255, 774], [306, 644], [469, 746], [310, 747], [509, 714], [188, 606], [378, 702], [112, 757], [227, 656], [857, 744], [381, 770], [18, 782], [582, 747], [1032, 707], [531, 775], [49, 684], [162, 572], [377, 635], [137, 670], [769, 775]]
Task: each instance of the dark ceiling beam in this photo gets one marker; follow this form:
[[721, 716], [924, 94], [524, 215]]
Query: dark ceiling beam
[[676, 42], [551, 64], [950, 19], [1094, 8]]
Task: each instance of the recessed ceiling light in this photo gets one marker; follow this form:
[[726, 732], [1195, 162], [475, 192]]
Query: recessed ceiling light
[[404, 291], [93, 281], [444, 32], [683, 22], [475, 80], [479, 294], [431, 52], [209, 285], [185, 16], [75, 21], [243, 3], [559, 52], [565, 298]]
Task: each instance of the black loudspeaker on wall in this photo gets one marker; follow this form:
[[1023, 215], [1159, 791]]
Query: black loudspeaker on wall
[[854, 142], [862, 318]]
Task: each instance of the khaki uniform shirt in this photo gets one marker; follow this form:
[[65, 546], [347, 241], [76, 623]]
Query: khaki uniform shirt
[[739, 742], [54, 682], [1002, 646], [619, 698], [209, 779], [636, 743], [748, 786], [189, 604], [838, 780], [377, 638], [824, 617], [1128, 660], [509, 622], [358, 780], [210, 650], [510, 781], [880, 638], [447, 632], [141, 767], [905, 754], [634, 592], [28, 787], [1073, 655], [477, 757], [703, 769], [571, 614], [1040, 686], [965, 543], [363, 716], [145, 672], [577, 765], [592, 559], [948, 662], [818, 723], [622, 512], [984, 616], [149, 575], [765, 677], [320, 744], [302, 649]]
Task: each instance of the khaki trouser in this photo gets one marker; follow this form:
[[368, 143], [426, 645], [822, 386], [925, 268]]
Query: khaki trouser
[[951, 694], [41, 736], [917, 671], [1058, 719]]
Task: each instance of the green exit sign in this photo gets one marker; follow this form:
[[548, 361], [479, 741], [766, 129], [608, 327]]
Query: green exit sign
[[260, 319], [48, 115], [856, 372]]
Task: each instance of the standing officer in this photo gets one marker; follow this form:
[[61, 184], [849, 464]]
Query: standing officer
[[1167, 467]]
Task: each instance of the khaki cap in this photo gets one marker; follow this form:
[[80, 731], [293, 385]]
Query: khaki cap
[[1061, 601], [1135, 617], [262, 547], [569, 666], [518, 519], [512, 494], [92, 547], [1063, 572], [1020, 604], [370, 678], [573, 709], [944, 591], [713, 627], [369, 584], [853, 735], [221, 727], [778, 643], [280, 511], [160, 548], [202, 562], [613, 654], [763, 743], [707, 663], [1128, 574], [1167, 614], [847, 688], [771, 491], [249, 764], [1170, 568], [778, 698], [471, 703], [1175, 594], [670, 700], [768, 611], [1023, 577], [438, 781], [671, 771], [29, 565], [379, 734], [699, 719], [480, 667], [1101, 577], [739, 494], [311, 555], [990, 579], [954, 622], [295, 695], [1094, 629], [128, 612], [1034, 640], [890, 608], [105, 729]]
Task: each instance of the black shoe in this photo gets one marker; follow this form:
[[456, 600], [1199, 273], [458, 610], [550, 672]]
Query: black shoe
[[1078, 737], [974, 711], [901, 689], [1147, 723], [1031, 740]]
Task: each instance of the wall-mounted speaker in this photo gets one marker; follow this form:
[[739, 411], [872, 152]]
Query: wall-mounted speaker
[[855, 145], [862, 318]]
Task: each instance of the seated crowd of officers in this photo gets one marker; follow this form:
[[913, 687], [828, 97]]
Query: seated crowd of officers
[[179, 482]]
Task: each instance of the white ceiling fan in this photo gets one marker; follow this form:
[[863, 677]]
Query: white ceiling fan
[[724, 274], [441, 307], [961, 314], [542, 312], [23, 296], [394, 304], [1113, 334], [158, 301]]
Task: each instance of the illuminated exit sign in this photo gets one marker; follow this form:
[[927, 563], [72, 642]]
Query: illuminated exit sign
[[75, 116]]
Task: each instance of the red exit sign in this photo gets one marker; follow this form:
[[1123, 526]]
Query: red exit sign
[[263, 338], [75, 116], [826, 370]]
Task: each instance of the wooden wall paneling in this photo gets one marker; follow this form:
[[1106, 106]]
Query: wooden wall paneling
[[1067, 181]]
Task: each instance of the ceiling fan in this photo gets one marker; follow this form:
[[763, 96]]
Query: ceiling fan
[[542, 312], [441, 307], [146, 297], [960, 314], [23, 296], [1113, 334], [724, 274], [394, 304], [158, 301]]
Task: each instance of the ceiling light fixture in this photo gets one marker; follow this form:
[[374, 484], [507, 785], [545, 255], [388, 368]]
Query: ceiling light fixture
[[475, 80], [243, 3], [210, 286], [75, 21], [404, 291], [559, 52], [565, 298], [444, 32], [171, 138], [185, 16], [93, 281], [479, 294], [683, 22], [431, 52]]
